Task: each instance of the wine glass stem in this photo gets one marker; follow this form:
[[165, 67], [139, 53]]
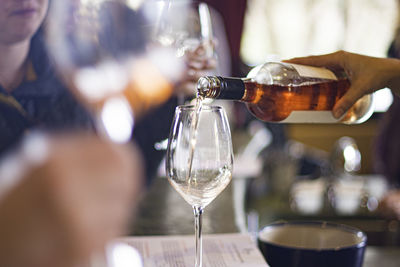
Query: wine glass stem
[[198, 211]]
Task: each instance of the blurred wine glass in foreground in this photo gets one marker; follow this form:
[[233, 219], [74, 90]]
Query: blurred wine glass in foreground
[[100, 49]]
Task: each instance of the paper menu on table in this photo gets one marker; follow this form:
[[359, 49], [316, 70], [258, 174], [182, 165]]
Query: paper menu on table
[[219, 250]]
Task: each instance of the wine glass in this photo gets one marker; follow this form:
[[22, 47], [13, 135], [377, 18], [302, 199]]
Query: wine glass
[[100, 48], [186, 27], [199, 159]]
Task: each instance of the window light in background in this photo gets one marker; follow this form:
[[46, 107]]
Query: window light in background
[[290, 28]]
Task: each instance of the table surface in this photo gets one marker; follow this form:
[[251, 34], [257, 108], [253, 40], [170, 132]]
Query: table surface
[[162, 211]]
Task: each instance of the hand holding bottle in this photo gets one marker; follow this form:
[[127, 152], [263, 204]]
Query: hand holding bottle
[[288, 93], [367, 74]]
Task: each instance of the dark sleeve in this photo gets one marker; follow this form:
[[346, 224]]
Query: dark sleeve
[[152, 128], [13, 125], [387, 144], [64, 112], [49, 103]]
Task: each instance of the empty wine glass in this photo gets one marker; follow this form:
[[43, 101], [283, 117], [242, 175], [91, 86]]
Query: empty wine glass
[[185, 25], [100, 49], [199, 159]]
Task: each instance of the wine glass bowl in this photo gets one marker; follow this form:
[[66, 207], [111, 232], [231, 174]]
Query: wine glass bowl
[[100, 48], [212, 155], [199, 158], [184, 25]]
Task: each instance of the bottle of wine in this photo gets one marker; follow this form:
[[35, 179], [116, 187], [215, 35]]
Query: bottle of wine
[[289, 93]]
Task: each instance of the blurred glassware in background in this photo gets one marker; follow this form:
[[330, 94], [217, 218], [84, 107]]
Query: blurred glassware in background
[[186, 27], [345, 157], [346, 191], [377, 187], [248, 165], [308, 196], [348, 195], [308, 191], [285, 166], [247, 161], [101, 50]]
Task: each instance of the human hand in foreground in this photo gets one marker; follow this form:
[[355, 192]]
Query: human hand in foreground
[[71, 204], [367, 74]]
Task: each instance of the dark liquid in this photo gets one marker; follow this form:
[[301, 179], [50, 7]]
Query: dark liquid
[[275, 102]]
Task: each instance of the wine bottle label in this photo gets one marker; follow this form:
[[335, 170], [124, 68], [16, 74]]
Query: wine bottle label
[[314, 72], [310, 117]]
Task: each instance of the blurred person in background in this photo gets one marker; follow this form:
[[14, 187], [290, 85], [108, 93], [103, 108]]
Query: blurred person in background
[[31, 95], [387, 145]]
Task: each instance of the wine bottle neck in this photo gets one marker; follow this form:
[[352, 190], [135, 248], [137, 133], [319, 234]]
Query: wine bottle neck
[[220, 88]]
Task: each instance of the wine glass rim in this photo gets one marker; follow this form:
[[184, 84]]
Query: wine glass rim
[[203, 108]]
